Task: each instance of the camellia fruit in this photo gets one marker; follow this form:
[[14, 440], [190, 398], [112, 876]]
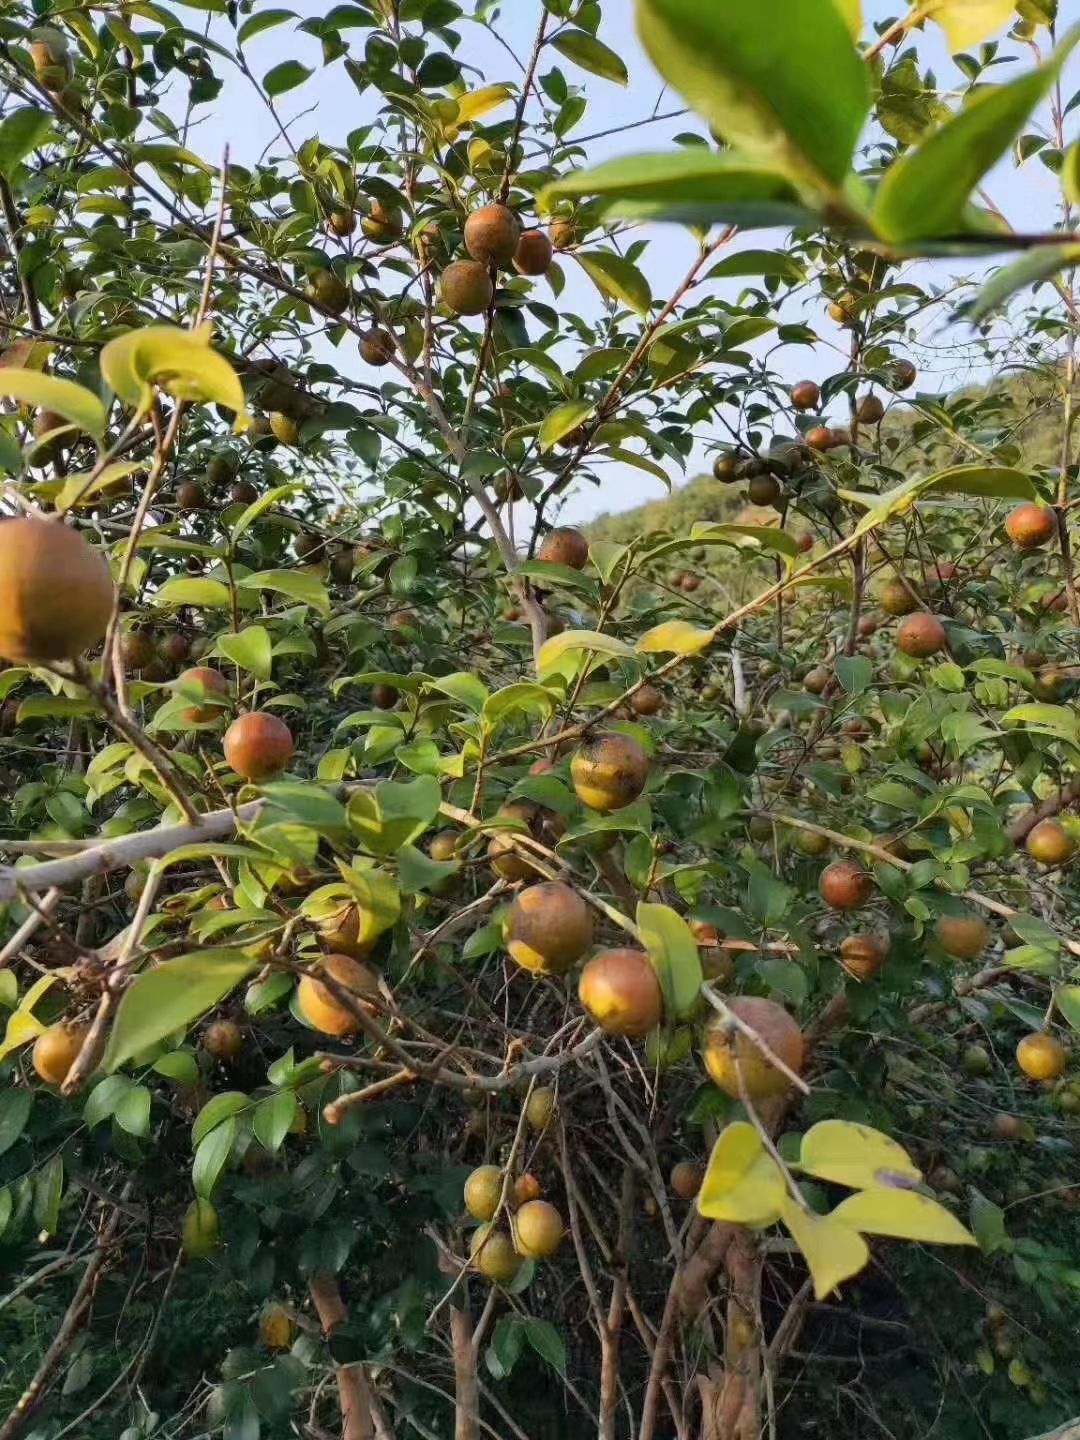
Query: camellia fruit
[[921, 635], [538, 1230], [764, 490], [646, 700], [534, 253], [565, 546], [527, 1187], [224, 1040], [276, 1328], [806, 395], [465, 287], [1050, 843], [870, 410], [505, 859], [725, 1045], [845, 885], [376, 346], [962, 936], [258, 745], [1031, 525], [493, 1254], [56, 1049], [200, 1230], [896, 598], [725, 469], [56, 593], [609, 771], [563, 232], [214, 683], [483, 1191], [1041, 1056], [540, 1107], [686, 1178], [549, 928], [492, 235], [321, 1007], [621, 992], [863, 955]]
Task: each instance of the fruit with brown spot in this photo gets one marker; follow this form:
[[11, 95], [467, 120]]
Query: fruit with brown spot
[[904, 374], [863, 955], [258, 745], [137, 650], [534, 253], [492, 235], [465, 287], [381, 224], [565, 546], [321, 1007], [897, 598], [1031, 525], [175, 648], [609, 771], [56, 593], [549, 928], [816, 681], [870, 410], [341, 221], [647, 700], [731, 1055], [845, 885], [224, 1040], [725, 469], [563, 232], [621, 992], [921, 635]]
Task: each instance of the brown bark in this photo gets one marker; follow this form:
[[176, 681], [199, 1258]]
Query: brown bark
[[355, 1398], [737, 1414], [466, 1389]]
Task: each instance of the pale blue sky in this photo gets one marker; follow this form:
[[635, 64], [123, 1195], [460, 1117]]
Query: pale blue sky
[[329, 105]]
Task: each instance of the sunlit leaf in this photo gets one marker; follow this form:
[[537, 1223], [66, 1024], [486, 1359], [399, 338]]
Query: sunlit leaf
[[969, 22], [48, 392], [170, 996], [854, 1155], [182, 362], [617, 278], [742, 1183], [832, 1251], [676, 955], [904, 1214], [674, 637], [570, 640]]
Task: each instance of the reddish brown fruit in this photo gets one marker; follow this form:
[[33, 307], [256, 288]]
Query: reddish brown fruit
[[921, 635], [191, 496], [243, 492], [224, 1040], [175, 648], [689, 583], [376, 346], [609, 771], [563, 232], [258, 745], [534, 253], [646, 701], [870, 410], [806, 395], [1007, 1127], [565, 546], [549, 928], [212, 681], [492, 235], [505, 859], [527, 1187], [56, 593], [383, 696], [904, 374], [863, 956], [1050, 843], [621, 992], [465, 287], [845, 885], [137, 650], [819, 437], [817, 680], [962, 936], [764, 490], [686, 1178], [1029, 526], [805, 542], [731, 1055], [322, 1009]]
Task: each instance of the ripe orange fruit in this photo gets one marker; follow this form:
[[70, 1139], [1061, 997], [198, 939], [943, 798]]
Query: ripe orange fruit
[[534, 253], [845, 885], [527, 1187], [1041, 1056], [609, 771], [760, 1077], [342, 931], [962, 936], [1030, 525], [483, 1191], [1050, 843], [921, 635], [214, 683], [55, 1050], [258, 745], [465, 287], [819, 437], [56, 593], [538, 1229], [322, 1009], [493, 1254], [492, 235], [565, 546], [621, 991], [549, 928], [686, 1178], [863, 955], [806, 395]]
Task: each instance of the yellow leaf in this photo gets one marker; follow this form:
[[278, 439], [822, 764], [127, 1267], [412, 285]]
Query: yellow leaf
[[22, 1026], [742, 1182], [832, 1251], [81, 490], [26, 355], [474, 104], [970, 22], [182, 362], [854, 1155], [675, 637], [903, 1214], [851, 10], [559, 645], [74, 402]]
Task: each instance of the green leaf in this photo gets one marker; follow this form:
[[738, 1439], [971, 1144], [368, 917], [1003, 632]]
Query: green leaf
[[591, 54], [285, 76], [903, 1214], [854, 1155], [1068, 1003], [296, 584], [983, 480], [14, 1113], [925, 192], [211, 1155], [216, 1111], [547, 1342], [1040, 263], [203, 594], [675, 954], [758, 262], [742, 1183], [170, 997], [257, 23], [832, 1251], [48, 1189], [20, 132], [1057, 720], [854, 672], [757, 73], [394, 813], [132, 1111], [987, 1223], [695, 186], [562, 420], [250, 648], [617, 278], [272, 1119], [182, 362], [462, 686], [74, 402], [262, 504], [570, 640]]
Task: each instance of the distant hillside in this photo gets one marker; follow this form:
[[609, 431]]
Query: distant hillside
[[1025, 403]]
